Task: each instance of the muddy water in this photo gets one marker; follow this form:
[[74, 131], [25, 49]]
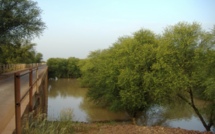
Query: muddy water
[[66, 95]]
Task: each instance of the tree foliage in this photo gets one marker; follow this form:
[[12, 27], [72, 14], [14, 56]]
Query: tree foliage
[[64, 68], [73, 70], [38, 57], [20, 52], [184, 62], [117, 76], [146, 69], [19, 19], [20, 22]]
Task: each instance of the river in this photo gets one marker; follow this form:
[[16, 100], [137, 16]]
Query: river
[[67, 95]]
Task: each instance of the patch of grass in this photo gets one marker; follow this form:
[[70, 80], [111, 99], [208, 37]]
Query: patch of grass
[[40, 124], [65, 125]]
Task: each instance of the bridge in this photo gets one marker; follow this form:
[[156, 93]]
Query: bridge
[[21, 93]]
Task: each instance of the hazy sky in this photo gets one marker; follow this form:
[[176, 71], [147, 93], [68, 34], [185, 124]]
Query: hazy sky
[[76, 27]]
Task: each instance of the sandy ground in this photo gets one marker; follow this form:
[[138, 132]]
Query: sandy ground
[[130, 129]]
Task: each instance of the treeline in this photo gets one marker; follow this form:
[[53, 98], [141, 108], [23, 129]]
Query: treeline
[[145, 69], [64, 68]]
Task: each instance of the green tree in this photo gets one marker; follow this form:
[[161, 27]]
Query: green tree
[[38, 57], [57, 67], [63, 68], [19, 20], [119, 77], [140, 71], [21, 52], [53, 67], [184, 66], [73, 70], [88, 68]]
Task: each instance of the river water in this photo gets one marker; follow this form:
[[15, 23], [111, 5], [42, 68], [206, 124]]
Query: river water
[[67, 95]]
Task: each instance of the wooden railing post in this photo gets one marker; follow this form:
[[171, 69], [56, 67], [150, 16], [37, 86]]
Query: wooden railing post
[[17, 102], [30, 89], [46, 91], [37, 79]]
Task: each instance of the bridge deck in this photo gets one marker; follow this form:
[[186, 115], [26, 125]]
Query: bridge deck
[[7, 105]]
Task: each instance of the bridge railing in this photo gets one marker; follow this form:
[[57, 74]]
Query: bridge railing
[[31, 93], [4, 68]]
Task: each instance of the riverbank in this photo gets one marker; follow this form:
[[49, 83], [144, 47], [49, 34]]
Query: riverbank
[[68, 127], [115, 128]]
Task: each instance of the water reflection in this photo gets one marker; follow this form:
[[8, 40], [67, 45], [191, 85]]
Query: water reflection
[[178, 117], [96, 113], [66, 93], [66, 88]]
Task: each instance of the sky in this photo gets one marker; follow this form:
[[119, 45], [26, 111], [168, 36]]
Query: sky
[[77, 27]]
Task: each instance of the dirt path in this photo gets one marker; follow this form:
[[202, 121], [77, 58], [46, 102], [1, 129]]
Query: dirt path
[[95, 128]]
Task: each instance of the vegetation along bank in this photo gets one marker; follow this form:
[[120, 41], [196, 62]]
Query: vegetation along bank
[[147, 69]]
